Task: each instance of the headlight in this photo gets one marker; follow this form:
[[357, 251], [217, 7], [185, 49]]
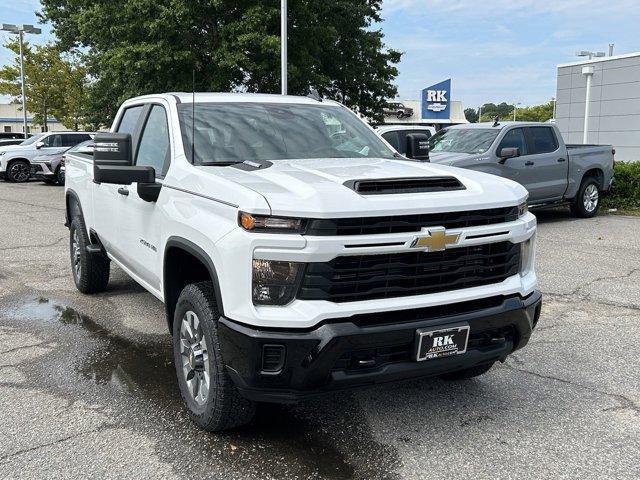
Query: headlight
[[265, 223], [275, 282], [523, 208]]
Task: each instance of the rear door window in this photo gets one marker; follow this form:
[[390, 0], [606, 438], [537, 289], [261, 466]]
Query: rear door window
[[53, 141], [514, 139], [543, 139], [72, 139]]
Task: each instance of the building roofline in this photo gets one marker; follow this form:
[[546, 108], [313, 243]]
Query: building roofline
[[599, 60]]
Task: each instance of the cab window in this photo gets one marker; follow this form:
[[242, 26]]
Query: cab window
[[394, 139], [514, 139], [543, 139], [53, 141], [153, 150], [129, 120]]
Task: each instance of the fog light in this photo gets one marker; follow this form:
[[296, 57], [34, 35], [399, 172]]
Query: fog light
[[275, 282], [273, 358]]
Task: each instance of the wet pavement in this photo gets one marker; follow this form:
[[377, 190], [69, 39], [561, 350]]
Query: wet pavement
[[87, 383]]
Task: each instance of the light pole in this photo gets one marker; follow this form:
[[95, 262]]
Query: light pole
[[515, 107], [588, 72], [283, 45], [480, 114], [20, 30], [553, 99]]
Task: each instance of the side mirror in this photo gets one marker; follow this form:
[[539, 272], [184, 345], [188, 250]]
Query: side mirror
[[507, 153], [113, 161], [39, 145], [418, 146]]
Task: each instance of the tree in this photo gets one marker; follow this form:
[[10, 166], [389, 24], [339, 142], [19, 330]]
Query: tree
[[471, 114], [490, 110], [73, 110], [43, 69], [133, 47], [536, 113]]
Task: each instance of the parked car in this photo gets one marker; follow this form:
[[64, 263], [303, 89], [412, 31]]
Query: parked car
[[15, 161], [293, 262], [396, 135], [398, 110], [13, 136], [47, 168], [534, 155], [14, 141]]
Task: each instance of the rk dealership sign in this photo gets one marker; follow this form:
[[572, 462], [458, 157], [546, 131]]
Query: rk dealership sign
[[436, 100]]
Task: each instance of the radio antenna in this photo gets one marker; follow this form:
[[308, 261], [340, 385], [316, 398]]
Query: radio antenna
[[193, 117]]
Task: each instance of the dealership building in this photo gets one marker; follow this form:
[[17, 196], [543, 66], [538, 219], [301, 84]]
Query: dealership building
[[435, 108], [613, 103], [12, 121]]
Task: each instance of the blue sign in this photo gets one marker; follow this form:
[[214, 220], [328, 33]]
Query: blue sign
[[436, 101]]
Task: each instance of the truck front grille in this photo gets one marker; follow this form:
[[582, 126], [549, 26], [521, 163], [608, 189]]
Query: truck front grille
[[410, 223], [368, 277]]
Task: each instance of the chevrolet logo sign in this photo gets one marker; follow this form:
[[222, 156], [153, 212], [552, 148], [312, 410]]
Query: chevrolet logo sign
[[436, 241]]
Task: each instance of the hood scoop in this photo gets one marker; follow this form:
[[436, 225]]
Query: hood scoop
[[387, 186]]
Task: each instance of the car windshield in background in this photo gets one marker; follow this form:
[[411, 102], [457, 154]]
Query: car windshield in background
[[32, 140], [234, 132], [470, 140]]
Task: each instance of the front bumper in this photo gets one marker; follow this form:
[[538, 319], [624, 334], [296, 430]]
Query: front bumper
[[369, 349]]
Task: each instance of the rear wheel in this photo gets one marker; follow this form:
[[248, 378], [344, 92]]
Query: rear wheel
[[59, 176], [467, 372], [19, 171], [587, 200], [206, 388], [90, 270]]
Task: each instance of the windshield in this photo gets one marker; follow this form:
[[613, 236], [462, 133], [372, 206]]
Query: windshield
[[460, 140], [32, 140], [234, 132]]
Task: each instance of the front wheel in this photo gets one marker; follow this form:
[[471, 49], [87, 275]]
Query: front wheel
[[207, 390], [19, 171], [90, 270], [587, 200], [60, 176]]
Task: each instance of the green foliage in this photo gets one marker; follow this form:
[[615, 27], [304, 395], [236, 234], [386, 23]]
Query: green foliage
[[535, 113], [134, 47], [53, 84], [490, 110], [471, 114], [626, 191]]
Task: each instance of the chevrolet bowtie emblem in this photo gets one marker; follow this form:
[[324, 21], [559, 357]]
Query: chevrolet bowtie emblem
[[436, 241]]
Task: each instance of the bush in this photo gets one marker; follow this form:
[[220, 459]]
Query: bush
[[626, 190]]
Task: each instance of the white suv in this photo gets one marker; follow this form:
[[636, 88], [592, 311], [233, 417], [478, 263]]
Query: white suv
[[15, 160], [295, 252]]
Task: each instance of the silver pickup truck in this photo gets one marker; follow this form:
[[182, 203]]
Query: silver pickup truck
[[534, 155]]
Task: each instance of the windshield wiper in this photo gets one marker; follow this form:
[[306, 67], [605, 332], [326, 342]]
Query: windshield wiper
[[219, 164]]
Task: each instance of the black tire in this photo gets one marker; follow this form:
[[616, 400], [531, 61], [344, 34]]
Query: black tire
[[59, 176], [49, 181], [583, 205], [221, 407], [19, 171], [90, 270], [467, 372]]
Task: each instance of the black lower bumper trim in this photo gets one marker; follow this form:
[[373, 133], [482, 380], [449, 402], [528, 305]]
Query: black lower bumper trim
[[343, 355]]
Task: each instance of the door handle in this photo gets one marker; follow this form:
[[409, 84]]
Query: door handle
[[123, 191], [561, 160], [528, 163]]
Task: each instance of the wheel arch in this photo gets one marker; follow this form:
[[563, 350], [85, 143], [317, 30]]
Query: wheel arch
[[179, 251], [596, 173], [72, 204]]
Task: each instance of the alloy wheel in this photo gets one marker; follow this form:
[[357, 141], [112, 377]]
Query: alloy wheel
[[20, 172], [75, 255], [590, 198], [195, 357]]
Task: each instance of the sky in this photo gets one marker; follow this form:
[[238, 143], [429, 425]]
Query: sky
[[493, 50]]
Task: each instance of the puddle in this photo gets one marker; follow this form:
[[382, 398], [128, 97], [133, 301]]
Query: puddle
[[328, 438], [115, 361]]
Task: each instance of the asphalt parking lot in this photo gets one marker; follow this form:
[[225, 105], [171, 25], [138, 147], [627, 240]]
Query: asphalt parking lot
[[87, 386]]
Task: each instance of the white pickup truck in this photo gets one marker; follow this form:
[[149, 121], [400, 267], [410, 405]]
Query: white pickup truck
[[296, 253]]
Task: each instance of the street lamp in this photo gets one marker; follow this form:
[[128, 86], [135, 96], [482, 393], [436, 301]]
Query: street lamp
[[283, 45], [20, 30], [588, 72], [515, 107], [555, 102]]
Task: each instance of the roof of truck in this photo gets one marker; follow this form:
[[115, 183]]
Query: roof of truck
[[206, 97], [500, 125]]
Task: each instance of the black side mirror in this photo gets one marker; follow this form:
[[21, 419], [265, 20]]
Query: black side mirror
[[418, 146], [507, 153], [113, 161]]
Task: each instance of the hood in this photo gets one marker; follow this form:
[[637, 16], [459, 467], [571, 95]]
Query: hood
[[316, 188], [11, 148], [451, 158]]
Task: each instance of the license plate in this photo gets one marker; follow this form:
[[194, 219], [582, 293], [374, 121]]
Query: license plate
[[441, 343]]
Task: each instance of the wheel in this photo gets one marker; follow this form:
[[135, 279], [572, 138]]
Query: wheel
[[400, 114], [19, 171], [90, 270], [59, 176], [587, 200], [467, 372], [209, 393]]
